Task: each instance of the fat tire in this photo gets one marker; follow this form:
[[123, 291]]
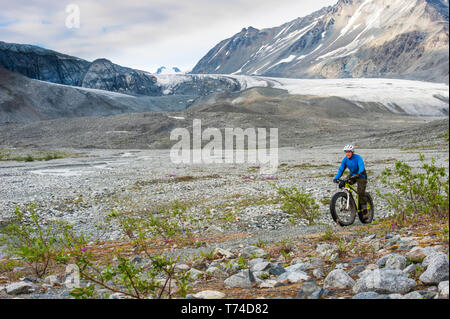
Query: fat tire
[[333, 209], [369, 219]]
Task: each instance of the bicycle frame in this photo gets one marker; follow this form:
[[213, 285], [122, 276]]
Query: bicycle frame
[[349, 189]]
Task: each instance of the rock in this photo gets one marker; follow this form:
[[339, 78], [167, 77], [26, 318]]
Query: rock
[[277, 269], [394, 261], [293, 277], [430, 257], [209, 294], [437, 270], [268, 284], [243, 279], [262, 266], [355, 271], [307, 289], [52, 280], [356, 261], [223, 253], [366, 295], [255, 261], [195, 274], [385, 280], [18, 288], [181, 268], [298, 267], [395, 296], [338, 279], [413, 295], [372, 267], [410, 269], [253, 252], [416, 254], [216, 272], [443, 290], [327, 251], [369, 238], [318, 273]]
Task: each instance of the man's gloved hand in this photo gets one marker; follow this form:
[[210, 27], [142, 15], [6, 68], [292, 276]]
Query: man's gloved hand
[[335, 181]]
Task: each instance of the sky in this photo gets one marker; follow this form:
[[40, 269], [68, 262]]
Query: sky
[[142, 34]]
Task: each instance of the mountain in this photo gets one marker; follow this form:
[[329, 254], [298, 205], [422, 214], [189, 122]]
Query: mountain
[[24, 100], [51, 66], [354, 38], [164, 70]]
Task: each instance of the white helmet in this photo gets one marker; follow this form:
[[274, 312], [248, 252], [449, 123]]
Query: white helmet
[[349, 148]]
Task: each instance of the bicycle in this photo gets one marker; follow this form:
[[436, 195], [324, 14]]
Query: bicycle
[[343, 207]]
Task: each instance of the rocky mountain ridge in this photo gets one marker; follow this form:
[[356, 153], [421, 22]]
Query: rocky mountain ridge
[[354, 38]]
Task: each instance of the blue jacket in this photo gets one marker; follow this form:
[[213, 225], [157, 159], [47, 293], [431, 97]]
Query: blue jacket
[[355, 164]]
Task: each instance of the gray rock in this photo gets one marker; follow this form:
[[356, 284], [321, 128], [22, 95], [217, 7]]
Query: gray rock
[[318, 273], [338, 279], [262, 266], [355, 271], [307, 289], [195, 274], [395, 261], [216, 272], [243, 279], [357, 260], [430, 256], [383, 281], [437, 270], [298, 267], [413, 295], [410, 269], [255, 261], [277, 269], [366, 295], [293, 277], [253, 252], [443, 290], [18, 288], [117, 295]]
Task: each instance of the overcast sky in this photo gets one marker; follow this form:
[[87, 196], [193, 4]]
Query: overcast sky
[[143, 34]]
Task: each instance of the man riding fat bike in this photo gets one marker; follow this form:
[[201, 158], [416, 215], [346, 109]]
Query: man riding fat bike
[[355, 164]]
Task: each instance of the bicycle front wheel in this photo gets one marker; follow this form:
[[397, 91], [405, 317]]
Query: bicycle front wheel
[[343, 212]]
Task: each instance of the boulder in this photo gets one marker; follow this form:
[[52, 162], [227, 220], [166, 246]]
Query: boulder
[[338, 279], [18, 288], [243, 279], [437, 270], [395, 261], [293, 277], [443, 290], [384, 281]]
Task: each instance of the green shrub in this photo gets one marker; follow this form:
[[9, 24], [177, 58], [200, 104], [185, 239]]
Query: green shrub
[[299, 204], [422, 191], [130, 279], [38, 245]]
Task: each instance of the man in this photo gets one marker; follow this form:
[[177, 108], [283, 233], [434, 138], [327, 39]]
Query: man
[[355, 164]]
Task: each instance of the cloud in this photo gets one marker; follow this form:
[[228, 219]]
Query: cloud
[[144, 34]]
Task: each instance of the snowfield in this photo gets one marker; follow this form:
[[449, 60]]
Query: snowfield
[[413, 97]]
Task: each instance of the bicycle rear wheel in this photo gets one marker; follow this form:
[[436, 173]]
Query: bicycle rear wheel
[[344, 214], [370, 210]]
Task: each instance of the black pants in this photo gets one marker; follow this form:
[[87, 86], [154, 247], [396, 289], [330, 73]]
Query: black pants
[[362, 184]]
